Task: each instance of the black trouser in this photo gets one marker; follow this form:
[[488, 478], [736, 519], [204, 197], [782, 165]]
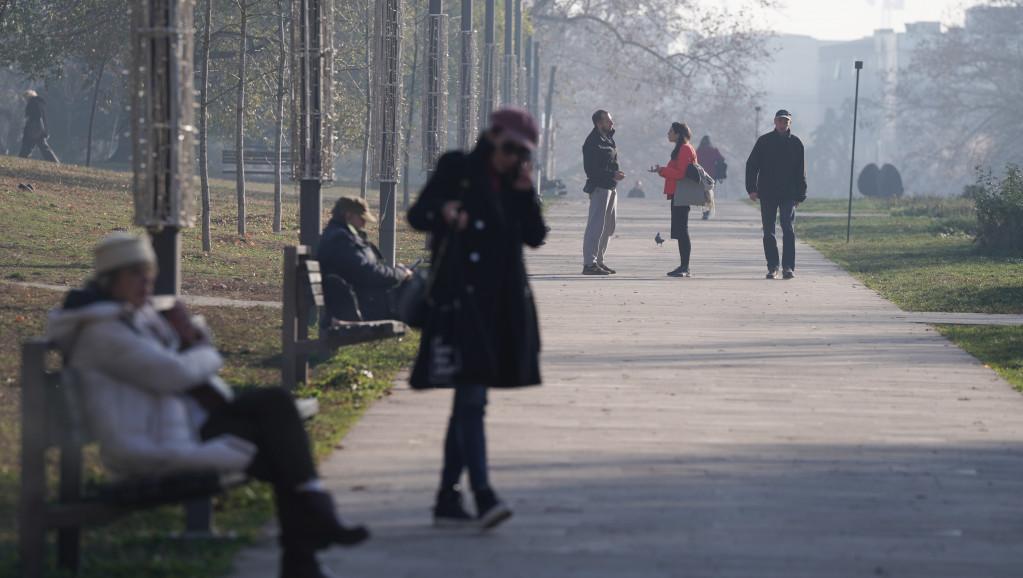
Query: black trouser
[[680, 231], [268, 418], [28, 143]]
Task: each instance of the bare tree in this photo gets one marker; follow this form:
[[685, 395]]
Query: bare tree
[[204, 105], [960, 101], [239, 139], [672, 42]]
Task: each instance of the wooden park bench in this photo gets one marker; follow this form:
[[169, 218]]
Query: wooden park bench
[[257, 161], [52, 415], [303, 291]]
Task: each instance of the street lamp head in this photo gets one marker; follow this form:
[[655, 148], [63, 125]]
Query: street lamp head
[[758, 109], [859, 65]]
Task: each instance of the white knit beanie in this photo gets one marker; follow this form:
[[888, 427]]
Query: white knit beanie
[[121, 250]]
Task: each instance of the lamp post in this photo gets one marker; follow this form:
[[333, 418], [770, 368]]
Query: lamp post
[[756, 125], [852, 162]]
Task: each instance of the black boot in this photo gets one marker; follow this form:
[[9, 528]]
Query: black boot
[[448, 511], [318, 510], [301, 562], [490, 510]]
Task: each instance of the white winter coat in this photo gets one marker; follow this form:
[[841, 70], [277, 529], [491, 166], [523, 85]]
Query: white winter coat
[[133, 381]]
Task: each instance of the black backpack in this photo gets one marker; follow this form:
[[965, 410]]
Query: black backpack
[[720, 169]]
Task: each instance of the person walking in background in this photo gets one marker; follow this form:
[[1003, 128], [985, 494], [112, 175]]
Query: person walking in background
[[600, 161], [35, 133], [776, 177], [682, 156], [713, 162], [481, 328]]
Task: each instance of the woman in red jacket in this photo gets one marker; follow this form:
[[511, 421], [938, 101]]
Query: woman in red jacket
[[681, 157]]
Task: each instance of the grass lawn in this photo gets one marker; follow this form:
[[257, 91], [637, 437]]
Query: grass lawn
[[923, 258], [1000, 348], [48, 233], [46, 236]]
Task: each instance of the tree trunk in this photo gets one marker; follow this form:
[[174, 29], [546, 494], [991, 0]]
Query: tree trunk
[[364, 182], [92, 113], [411, 110], [239, 140], [279, 130], [204, 108]]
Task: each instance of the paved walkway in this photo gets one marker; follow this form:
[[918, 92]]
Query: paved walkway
[[718, 426]]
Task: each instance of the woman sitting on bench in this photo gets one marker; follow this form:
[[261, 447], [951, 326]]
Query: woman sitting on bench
[[157, 407]]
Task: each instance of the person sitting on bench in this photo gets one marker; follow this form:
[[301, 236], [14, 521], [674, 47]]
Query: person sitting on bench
[[358, 285], [154, 401]]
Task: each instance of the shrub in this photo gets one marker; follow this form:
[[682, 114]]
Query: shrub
[[1000, 209]]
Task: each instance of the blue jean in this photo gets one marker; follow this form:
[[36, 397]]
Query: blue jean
[[465, 447], [769, 211]]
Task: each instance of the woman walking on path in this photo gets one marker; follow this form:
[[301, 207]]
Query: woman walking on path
[[681, 157], [481, 328], [154, 400], [712, 162]]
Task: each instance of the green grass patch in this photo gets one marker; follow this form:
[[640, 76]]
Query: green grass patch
[[1000, 348], [47, 238], [920, 263], [49, 232]]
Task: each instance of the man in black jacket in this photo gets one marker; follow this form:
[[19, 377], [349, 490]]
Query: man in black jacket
[[358, 285], [600, 161], [776, 176], [35, 134]]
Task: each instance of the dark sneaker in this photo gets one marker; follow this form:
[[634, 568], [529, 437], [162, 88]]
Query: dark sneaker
[[448, 511], [788, 274], [772, 273], [594, 270], [491, 510], [679, 272], [609, 270]]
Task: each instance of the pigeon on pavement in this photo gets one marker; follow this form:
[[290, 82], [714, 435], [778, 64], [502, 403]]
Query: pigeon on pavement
[[659, 239]]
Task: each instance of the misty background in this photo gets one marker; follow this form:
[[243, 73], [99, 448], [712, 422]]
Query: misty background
[[936, 100]]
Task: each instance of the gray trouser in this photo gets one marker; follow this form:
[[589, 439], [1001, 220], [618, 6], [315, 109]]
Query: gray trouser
[[600, 225]]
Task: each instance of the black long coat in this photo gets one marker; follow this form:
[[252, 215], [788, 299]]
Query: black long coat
[[500, 347]]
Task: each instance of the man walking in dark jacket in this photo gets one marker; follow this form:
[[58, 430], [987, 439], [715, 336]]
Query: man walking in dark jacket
[[776, 176], [35, 134], [367, 289], [600, 161]]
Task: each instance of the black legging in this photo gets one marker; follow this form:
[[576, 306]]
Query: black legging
[[684, 249], [680, 231]]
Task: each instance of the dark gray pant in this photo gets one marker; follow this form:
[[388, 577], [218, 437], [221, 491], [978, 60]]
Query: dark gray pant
[[28, 143]]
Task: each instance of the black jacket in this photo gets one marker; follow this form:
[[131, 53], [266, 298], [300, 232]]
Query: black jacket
[[600, 160], [776, 168], [500, 345], [345, 252], [35, 118]]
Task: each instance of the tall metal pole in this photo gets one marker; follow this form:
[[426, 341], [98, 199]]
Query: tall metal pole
[[548, 128], [467, 80], [852, 161], [756, 125], [509, 76], [435, 90], [387, 113], [489, 64], [162, 129]]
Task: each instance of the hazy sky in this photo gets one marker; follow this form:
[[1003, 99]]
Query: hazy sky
[[851, 19]]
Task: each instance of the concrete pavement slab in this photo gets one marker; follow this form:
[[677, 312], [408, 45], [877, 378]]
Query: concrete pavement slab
[[724, 425]]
